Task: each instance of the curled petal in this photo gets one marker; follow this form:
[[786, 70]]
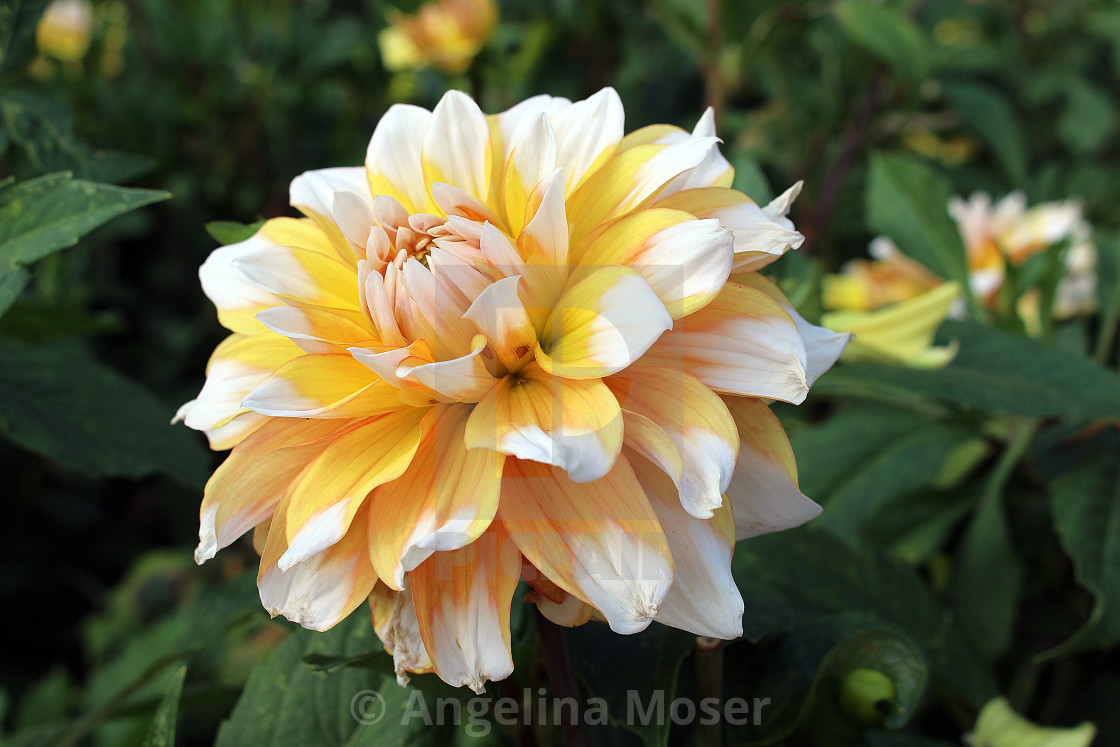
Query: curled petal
[[394, 621], [696, 421], [321, 591], [575, 425], [743, 342], [763, 491], [599, 541], [602, 324], [462, 599], [445, 500], [703, 598]]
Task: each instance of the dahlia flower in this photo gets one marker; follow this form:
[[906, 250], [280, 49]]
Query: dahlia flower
[[1009, 232], [516, 347], [444, 33]]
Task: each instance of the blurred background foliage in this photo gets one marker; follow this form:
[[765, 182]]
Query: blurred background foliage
[[968, 547]]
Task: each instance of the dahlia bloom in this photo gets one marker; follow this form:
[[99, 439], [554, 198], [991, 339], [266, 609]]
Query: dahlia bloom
[[444, 33], [1009, 232], [507, 348]]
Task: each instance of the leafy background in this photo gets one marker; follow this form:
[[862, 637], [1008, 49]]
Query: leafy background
[[970, 544]]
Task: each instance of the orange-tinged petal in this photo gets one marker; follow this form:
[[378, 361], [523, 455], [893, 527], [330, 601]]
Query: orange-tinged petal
[[324, 498], [599, 541], [602, 324], [696, 421], [763, 492], [462, 379], [823, 346], [394, 621], [743, 342], [322, 386], [444, 501], [575, 425], [685, 260], [246, 488], [321, 591], [703, 598], [759, 238], [462, 601]]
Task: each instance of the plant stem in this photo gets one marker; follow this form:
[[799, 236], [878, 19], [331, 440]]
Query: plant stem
[[709, 678], [714, 90], [561, 678]]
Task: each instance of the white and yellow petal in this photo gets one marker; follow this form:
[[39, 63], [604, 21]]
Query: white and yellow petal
[[599, 541], [763, 492], [602, 324], [443, 502], [573, 424]]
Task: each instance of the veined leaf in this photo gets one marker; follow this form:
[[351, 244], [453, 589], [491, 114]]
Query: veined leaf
[[994, 371], [44, 215], [887, 33], [58, 401], [1086, 506], [161, 733], [908, 201]]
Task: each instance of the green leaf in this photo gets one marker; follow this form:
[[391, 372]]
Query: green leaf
[[994, 371], [52, 212], [887, 33], [288, 704], [750, 179], [12, 283], [63, 404], [988, 580], [18, 19], [645, 665], [161, 732], [1086, 506], [909, 202], [1089, 118], [231, 232], [991, 114], [793, 578]]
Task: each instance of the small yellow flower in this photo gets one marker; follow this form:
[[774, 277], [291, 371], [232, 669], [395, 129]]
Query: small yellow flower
[[893, 305], [508, 347], [64, 30], [444, 33]]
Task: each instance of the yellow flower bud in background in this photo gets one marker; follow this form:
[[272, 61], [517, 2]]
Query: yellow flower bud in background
[[999, 726], [64, 30], [446, 34]]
